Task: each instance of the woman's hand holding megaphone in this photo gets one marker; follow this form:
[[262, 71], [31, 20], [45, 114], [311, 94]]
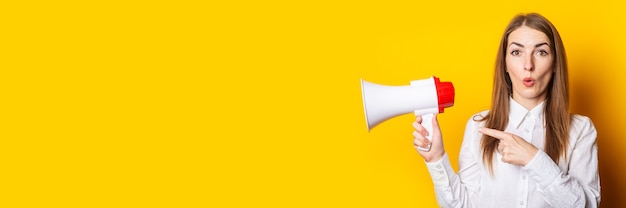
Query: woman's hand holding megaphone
[[436, 149]]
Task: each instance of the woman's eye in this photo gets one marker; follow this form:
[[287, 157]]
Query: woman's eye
[[515, 52], [542, 53]]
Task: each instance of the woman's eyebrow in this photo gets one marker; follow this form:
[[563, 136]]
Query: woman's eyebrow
[[517, 44], [522, 46]]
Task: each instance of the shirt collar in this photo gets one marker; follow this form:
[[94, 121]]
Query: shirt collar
[[517, 113]]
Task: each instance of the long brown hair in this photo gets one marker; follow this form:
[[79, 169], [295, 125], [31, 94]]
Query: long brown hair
[[556, 107]]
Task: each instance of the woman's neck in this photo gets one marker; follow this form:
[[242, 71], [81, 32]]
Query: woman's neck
[[531, 103]]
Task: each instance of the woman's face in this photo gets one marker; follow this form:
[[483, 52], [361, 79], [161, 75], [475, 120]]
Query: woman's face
[[529, 64]]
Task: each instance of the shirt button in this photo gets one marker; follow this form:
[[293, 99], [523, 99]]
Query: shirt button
[[441, 172], [526, 130], [523, 177], [521, 202], [438, 166]]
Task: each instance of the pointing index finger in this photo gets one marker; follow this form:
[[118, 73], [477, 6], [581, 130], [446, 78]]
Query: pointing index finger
[[494, 133]]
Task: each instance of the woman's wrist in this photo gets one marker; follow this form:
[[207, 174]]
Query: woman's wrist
[[435, 158]]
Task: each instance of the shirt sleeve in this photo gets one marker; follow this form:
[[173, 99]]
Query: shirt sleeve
[[580, 185], [458, 190]]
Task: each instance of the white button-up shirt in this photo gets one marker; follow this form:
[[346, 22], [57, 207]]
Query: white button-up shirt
[[573, 182]]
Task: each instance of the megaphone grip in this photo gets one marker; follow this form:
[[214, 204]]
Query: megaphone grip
[[427, 123]]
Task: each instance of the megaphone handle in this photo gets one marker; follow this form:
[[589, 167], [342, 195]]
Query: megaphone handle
[[427, 123]]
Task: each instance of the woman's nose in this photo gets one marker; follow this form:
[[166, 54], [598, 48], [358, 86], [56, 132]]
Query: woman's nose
[[528, 64]]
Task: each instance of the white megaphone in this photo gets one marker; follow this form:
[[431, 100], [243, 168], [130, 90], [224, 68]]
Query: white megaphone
[[423, 97]]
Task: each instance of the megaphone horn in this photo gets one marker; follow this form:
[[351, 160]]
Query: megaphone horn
[[422, 97]]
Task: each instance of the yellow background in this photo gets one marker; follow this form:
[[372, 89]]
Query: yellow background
[[258, 103]]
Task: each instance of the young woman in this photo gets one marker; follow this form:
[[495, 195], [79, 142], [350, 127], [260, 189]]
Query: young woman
[[527, 150]]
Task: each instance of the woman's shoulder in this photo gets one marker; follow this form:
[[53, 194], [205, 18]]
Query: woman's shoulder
[[581, 122], [478, 117], [580, 118], [582, 127]]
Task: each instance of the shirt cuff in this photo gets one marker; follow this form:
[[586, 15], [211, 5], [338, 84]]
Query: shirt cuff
[[440, 171], [543, 169]]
